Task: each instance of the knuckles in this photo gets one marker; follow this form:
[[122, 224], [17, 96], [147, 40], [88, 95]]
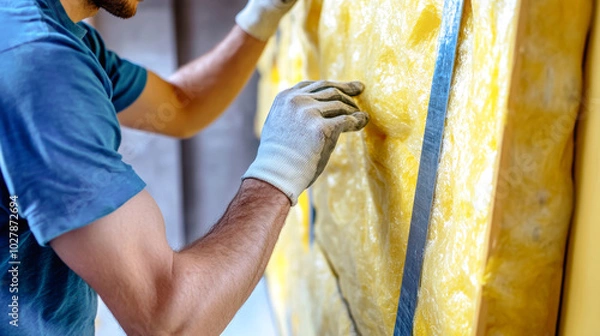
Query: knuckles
[[302, 84], [298, 100]]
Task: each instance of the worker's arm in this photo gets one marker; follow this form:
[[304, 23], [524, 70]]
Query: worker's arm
[[200, 91], [152, 290]]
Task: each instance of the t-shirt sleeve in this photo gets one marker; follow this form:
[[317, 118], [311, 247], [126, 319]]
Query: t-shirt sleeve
[[59, 138], [128, 79]]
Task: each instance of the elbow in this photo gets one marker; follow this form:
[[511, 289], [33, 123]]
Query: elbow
[[179, 112], [184, 133], [186, 127], [172, 306], [171, 310], [155, 321], [157, 311]]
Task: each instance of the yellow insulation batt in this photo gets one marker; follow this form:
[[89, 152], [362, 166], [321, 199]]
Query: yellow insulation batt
[[303, 290], [493, 261], [581, 300]]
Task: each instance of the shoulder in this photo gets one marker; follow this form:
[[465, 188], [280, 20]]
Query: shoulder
[[50, 68], [21, 22], [50, 53], [24, 21]]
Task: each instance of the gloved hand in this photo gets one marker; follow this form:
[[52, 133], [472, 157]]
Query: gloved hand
[[260, 18], [301, 131]]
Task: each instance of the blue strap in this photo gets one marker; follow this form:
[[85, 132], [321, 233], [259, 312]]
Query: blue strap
[[428, 167], [312, 217]]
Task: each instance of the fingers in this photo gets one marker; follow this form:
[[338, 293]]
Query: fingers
[[350, 123], [333, 94], [350, 88], [332, 109], [303, 84]]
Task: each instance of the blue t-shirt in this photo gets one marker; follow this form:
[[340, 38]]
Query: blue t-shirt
[[60, 90]]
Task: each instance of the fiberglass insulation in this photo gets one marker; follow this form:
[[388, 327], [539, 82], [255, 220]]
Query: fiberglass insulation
[[493, 261]]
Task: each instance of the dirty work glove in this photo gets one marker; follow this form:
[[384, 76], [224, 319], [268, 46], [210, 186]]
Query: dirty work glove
[[301, 131], [260, 18]]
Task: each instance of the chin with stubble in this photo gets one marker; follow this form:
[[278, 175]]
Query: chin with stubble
[[123, 9]]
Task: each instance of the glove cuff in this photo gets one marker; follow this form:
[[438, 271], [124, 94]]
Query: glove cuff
[[259, 21], [282, 168]]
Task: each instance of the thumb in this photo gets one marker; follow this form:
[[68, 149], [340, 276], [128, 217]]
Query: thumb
[[349, 122]]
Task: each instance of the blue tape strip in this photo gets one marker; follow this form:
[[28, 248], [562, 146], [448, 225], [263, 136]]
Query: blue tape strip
[[428, 168], [313, 217]]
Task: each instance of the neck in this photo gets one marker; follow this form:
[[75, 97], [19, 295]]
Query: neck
[[78, 10]]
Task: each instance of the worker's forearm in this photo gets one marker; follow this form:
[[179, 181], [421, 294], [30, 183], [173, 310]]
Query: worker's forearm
[[210, 83], [214, 276]]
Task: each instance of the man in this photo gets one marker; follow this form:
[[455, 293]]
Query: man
[[76, 220]]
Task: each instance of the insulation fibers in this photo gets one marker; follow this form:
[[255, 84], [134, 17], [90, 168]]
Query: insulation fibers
[[493, 260]]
